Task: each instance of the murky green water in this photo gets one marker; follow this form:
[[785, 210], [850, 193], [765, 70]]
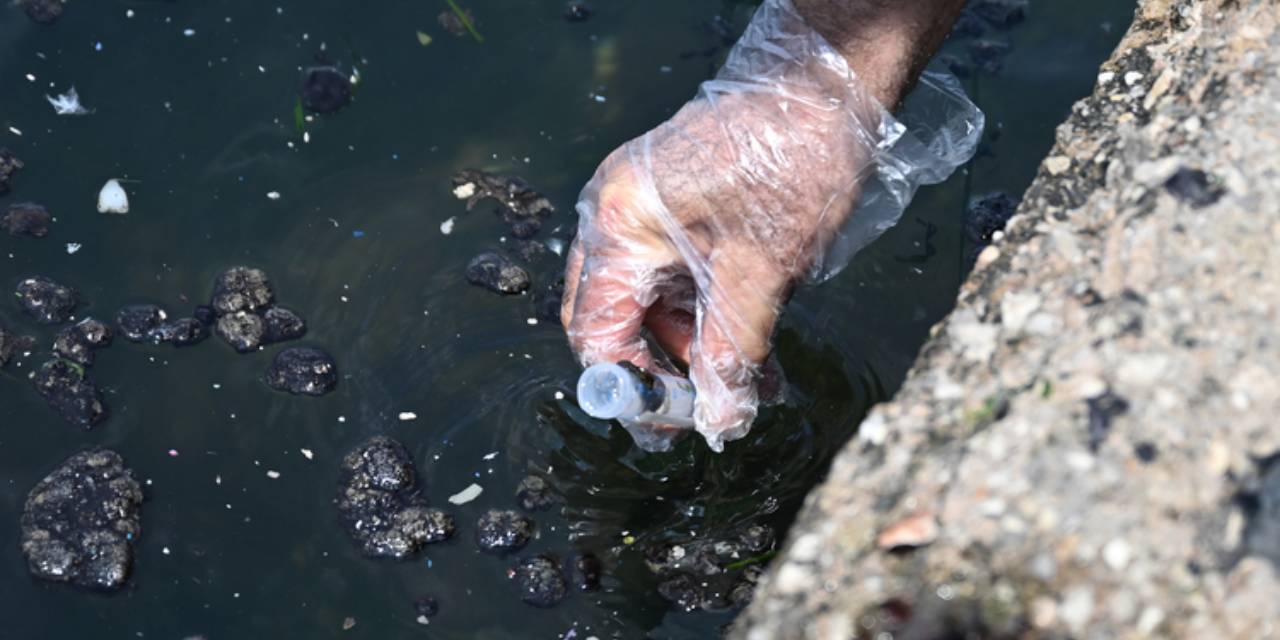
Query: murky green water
[[203, 124]]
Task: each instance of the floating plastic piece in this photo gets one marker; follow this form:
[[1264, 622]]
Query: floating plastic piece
[[112, 198]]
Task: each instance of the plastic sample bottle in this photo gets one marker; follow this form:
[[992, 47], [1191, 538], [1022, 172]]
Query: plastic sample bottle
[[629, 394]]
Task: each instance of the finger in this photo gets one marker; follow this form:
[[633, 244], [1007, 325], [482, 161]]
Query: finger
[[672, 328], [572, 274], [608, 311], [737, 310]]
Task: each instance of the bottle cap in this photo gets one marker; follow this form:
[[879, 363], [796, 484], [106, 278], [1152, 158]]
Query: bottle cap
[[607, 391]]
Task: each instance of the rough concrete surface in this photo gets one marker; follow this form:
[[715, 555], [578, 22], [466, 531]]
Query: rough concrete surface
[[1085, 447]]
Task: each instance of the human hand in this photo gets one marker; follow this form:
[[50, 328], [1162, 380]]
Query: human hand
[[698, 230]]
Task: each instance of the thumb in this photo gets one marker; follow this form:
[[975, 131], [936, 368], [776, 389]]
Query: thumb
[[736, 313]]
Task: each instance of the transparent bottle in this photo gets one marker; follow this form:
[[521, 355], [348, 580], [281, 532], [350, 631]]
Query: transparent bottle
[[626, 393]]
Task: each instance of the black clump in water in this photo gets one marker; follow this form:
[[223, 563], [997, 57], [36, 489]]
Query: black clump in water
[[74, 397], [242, 289], [182, 332], [26, 219], [136, 321], [586, 572], [1102, 410], [498, 273], [242, 330], [13, 345], [540, 580], [503, 531], [45, 300], [324, 89], [1193, 187], [1002, 14], [577, 11], [42, 11], [303, 371], [80, 522], [282, 325], [426, 607], [78, 342], [534, 493], [9, 165], [986, 215], [206, 314], [714, 572], [988, 55], [381, 506]]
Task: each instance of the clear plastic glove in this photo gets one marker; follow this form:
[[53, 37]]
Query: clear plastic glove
[[699, 229]]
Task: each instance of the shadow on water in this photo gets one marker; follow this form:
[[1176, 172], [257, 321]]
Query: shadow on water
[[204, 124]]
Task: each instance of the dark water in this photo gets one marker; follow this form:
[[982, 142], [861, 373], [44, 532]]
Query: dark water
[[228, 552]]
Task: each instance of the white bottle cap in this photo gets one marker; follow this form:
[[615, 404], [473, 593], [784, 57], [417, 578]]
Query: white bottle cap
[[607, 391]]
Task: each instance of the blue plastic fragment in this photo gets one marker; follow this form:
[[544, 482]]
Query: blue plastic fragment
[[357, 234]]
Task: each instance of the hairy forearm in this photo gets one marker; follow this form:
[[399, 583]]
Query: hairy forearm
[[886, 42]]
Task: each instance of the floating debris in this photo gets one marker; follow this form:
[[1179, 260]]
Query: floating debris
[[423, 39], [303, 371], [381, 506], [446, 227], [498, 273], [406, 416], [68, 104], [540, 580], [466, 495], [73, 248], [45, 300], [502, 531], [112, 198], [9, 165], [26, 219], [81, 521], [41, 11]]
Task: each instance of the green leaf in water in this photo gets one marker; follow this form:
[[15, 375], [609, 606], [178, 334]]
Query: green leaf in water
[[466, 22], [79, 369], [746, 562], [299, 118]]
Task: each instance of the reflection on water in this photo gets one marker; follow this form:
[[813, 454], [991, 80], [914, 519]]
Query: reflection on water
[[204, 125]]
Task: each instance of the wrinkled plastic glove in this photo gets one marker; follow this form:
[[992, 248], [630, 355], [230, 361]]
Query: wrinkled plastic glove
[[699, 229]]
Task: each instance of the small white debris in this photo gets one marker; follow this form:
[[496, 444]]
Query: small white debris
[[128, 13], [31, 77], [531, 321], [464, 191], [112, 198], [556, 245], [218, 479], [342, 418], [1132, 78], [165, 550], [15, 131], [1106, 77], [306, 136], [217, 385], [466, 495], [273, 474], [273, 195], [559, 395], [67, 104], [307, 453], [406, 416], [491, 455], [446, 227], [72, 247], [599, 98], [188, 32]]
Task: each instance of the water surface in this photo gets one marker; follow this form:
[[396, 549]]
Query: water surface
[[203, 126]]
